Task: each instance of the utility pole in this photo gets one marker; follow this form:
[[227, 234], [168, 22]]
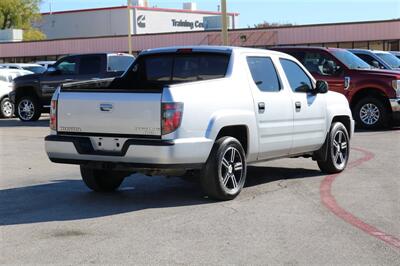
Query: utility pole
[[129, 27], [224, 18]]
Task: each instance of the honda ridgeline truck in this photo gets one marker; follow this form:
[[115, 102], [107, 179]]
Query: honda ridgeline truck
[[201, 111]]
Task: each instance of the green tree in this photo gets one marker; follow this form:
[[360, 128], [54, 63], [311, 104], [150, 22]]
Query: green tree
[[21, 14]]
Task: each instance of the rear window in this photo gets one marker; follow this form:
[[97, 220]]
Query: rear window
[[118, 63], [90, 65], [177, 68], [153, 72]]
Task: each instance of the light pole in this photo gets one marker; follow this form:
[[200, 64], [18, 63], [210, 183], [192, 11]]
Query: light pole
[[224, 18], [129, 27]]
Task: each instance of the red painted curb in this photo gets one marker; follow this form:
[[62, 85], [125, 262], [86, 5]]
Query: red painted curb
[[330, 202]]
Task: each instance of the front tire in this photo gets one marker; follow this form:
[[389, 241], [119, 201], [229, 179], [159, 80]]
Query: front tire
[[370, 113], [7, 108], [338, 150], [224, 174], [101, 180], [28, 108]]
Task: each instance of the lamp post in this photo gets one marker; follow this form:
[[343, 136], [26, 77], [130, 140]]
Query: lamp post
[[224, 18], [129, 27]]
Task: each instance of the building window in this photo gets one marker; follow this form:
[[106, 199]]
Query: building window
[[376, 45], [392, 45], [331, 45], [346, 45], [360, 45]]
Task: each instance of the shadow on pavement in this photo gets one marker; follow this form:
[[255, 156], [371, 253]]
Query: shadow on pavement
[[44, 122], [66, 200], [362, 131]]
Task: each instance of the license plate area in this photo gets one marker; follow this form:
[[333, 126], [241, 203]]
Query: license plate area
[[107, 144]]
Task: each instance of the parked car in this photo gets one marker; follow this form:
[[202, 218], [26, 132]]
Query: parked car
[[45, 64], [35, 91], [396, 53], [206, 111], [374, 95], [378, 59], [6, 78], [35, 68]]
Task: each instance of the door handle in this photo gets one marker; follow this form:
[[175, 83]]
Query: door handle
[[67, 80], [106, 107], [261, 107], [298, 106]]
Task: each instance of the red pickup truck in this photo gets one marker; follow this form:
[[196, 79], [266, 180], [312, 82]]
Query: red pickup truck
[[373, 95]]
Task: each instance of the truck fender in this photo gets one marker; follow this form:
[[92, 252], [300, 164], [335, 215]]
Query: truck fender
[[225, 118]]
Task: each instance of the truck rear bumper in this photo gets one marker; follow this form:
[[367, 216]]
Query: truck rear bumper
[[135, 153]]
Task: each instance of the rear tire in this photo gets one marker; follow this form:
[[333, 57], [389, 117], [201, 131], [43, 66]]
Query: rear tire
[[101, 180], [28, 108], [224, 174], [370, 113], [338, 150], [6, 108]]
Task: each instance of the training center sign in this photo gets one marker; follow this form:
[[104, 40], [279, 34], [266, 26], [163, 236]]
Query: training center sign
[[152, 21]]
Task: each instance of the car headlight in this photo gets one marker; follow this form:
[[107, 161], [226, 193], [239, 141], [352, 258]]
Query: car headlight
[[396, 87]]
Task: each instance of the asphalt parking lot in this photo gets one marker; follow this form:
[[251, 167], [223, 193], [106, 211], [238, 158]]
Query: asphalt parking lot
[[289, 213]]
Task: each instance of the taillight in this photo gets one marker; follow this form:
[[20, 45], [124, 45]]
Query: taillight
[[171, 117], [53, 115]]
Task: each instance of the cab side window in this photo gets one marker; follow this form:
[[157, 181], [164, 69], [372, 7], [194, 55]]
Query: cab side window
[[264, 73], [67, 66], [298, 79], [90, 65], [370, 60], [320, 64]]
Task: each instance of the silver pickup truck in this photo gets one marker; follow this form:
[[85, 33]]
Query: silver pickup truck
[[201, 111]]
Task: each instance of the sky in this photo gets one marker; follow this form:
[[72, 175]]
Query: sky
[[257, 11]]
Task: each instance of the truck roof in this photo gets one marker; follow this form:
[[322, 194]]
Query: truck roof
[[308, 48], [206, 48]]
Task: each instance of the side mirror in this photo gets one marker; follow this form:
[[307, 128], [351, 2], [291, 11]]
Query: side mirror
[[321, 86]]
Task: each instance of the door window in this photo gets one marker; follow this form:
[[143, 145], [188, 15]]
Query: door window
[[90, 65], [370, 60], [298, 79], [320, 64], [264, 73], [67, 66]]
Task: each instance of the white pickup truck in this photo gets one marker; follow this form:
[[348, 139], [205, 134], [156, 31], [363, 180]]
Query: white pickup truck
[[204, 111]]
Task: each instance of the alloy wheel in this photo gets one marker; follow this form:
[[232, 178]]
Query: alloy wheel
[[26, 110], [7, 108], [369, 114], [340, 149], [231, 169]]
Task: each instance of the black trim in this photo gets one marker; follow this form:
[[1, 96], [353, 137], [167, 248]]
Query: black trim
[[111, 90], [84, 146], [122, 166], [109, 135]]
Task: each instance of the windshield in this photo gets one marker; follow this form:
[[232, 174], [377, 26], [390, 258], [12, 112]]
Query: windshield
[[390, 59], [35, 69], [350, 60]]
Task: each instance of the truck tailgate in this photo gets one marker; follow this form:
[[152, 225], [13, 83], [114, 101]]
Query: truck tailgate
[[109, 113]]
